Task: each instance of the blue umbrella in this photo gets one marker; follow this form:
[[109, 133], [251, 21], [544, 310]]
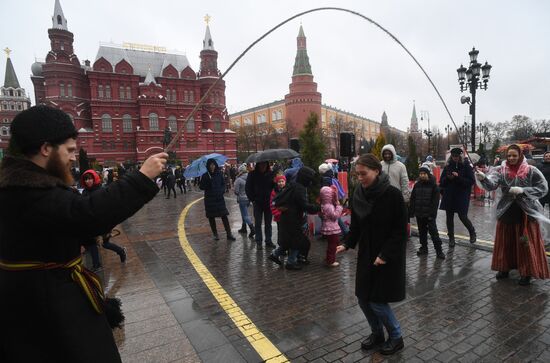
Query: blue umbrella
[[198, 167]]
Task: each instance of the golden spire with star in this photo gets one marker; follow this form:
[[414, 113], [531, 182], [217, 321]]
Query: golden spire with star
[[8, 51], [207, 18]]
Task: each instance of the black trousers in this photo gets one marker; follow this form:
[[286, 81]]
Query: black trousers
[[428, 225], [463, 218], [225, 221]]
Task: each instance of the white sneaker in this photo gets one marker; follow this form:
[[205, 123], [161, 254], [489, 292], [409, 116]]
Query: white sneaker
[[334, 264]]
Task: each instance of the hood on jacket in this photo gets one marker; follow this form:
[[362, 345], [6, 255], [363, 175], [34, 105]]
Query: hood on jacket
[[296, 163], [97, 179], [211, 161], [391, 148], [328, 195], [305, 176]]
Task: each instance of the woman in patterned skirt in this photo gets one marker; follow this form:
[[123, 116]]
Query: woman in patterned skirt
[[518, 241]]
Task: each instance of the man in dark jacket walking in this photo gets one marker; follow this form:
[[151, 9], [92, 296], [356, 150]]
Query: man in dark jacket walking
[[457, 179], [170, 182], [259, 184], [52, 308], [423, 206]]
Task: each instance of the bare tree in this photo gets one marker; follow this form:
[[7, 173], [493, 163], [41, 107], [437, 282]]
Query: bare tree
[[542, 126], [521, 128], [269, 138]]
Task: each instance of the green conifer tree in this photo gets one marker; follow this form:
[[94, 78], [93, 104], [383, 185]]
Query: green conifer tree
[[312, 150], [312, 147], [412, 160], [378, 145]]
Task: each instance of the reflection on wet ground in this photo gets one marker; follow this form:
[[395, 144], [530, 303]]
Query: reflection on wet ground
[[455, 309]]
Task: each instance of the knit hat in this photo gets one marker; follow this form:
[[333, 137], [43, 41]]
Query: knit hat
[[31, 128], [280, 177], [323, 168], [456, 151], [425, 169]]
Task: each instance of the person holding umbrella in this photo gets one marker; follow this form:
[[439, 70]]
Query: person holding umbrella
[[213, 184]]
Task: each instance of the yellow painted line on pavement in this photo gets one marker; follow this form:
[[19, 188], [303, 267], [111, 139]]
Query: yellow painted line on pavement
[[483, 241], [263, 346]]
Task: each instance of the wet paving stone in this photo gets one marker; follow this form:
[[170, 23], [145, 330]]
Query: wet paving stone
[[455, 310]]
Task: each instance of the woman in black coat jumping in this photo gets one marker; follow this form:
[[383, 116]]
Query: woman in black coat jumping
[[213, 184], [379, 227]]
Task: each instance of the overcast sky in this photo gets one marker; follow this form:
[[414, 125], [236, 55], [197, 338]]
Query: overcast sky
[[358, 68]]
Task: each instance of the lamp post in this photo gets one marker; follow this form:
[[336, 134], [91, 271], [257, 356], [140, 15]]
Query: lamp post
[[464, 131], [427, 131], [448, 129], [471, 79]]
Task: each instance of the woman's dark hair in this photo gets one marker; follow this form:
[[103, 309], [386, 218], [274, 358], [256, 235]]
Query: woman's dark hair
[[370, 161], [514, 147]]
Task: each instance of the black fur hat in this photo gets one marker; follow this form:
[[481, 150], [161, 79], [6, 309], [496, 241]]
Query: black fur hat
[[31, 128], [305, 176]]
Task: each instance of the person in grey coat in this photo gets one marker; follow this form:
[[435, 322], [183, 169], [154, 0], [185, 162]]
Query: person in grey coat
[[242, 199]]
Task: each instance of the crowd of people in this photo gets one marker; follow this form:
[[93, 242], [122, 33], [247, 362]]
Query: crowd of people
[[55, 304]]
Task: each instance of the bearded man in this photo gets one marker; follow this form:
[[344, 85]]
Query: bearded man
[[52, 309]]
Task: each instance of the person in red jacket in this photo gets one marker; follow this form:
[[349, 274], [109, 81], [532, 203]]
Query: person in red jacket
[[91, 182]]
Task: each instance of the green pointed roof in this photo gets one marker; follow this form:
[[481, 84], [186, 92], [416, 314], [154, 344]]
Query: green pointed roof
[[301, 63], [414, 113], [11, 78]]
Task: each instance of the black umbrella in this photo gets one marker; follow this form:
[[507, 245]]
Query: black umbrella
[[272, 154]]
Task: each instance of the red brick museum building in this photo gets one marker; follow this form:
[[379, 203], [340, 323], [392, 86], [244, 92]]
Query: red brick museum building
[[124, 103]]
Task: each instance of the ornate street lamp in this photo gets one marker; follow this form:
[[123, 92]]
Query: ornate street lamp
[[474, 77], [427, 131], [448, 130]]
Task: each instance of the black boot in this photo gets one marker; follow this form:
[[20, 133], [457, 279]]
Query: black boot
[[392, 346], [524, 280], [372, 341], [451, 241], [230, 236], [243, 228], [423, 250], [439, 253], [473, 236], [252, 231]]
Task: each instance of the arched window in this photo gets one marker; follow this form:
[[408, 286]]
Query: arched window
[[185, 96], [121, 92], [59, 20], [69, 90], [106, 123], [100, 91], [61, 90], [174, 96], [217, 124], [127, 123], [190, 127], [191, 96], [107, 91], [128, 93], [153, 122], [5, 131], [172, 123]]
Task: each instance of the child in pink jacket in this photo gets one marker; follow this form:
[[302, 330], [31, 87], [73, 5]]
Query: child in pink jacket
[[331, 210]]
